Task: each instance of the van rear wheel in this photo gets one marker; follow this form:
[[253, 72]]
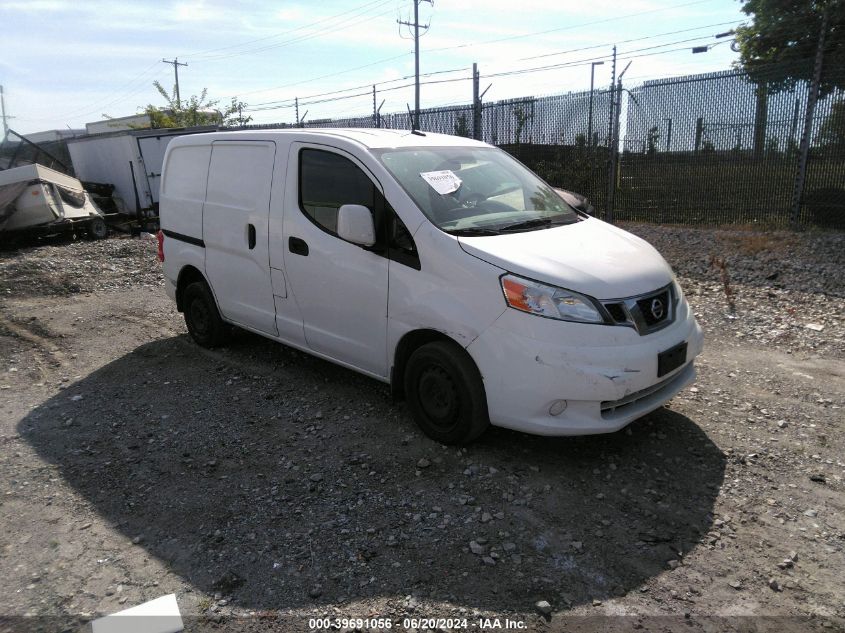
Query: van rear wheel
[[202, 317], [445, 393]]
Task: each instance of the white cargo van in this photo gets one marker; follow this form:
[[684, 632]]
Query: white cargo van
[[437, 264]]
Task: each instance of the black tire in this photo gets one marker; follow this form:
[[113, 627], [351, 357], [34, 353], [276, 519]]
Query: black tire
[[445, 393], [97, 228], [202, 317]]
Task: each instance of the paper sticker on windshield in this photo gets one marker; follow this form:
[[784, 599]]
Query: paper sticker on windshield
[[442, 182]]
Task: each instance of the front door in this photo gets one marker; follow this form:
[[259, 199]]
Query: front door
[[235, 219], [340, 287]]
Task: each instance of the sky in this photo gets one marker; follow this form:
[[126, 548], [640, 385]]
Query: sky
[[64, 63]]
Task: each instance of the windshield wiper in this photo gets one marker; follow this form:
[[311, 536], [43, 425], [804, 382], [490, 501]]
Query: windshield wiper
[[472, 231], [525, 224]]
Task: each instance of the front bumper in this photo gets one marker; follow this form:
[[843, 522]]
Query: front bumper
[[606, 374]]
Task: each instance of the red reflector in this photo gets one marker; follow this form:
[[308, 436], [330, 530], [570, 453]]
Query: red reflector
[[160, 238]]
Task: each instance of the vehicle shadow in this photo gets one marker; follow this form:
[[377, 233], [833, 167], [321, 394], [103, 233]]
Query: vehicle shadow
[[280, 480]]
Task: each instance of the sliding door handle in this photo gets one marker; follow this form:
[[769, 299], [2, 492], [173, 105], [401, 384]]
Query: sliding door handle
[[250, 235], [298, 246]]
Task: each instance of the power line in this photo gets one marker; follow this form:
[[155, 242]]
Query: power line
[[122, 94], [566, 28], [627, 55], [522, 59], [635, 39], [522, 71], [361, 94], [280, 34], [342, 72], [387, 81], [360, 12], [319, 33]]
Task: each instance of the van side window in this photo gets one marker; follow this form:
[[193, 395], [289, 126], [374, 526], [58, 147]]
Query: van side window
[[326, 182]]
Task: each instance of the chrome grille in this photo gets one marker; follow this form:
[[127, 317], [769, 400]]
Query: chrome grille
[[645, 313]]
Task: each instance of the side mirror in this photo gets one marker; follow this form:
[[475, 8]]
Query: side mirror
[[576, 200], [355, 224]]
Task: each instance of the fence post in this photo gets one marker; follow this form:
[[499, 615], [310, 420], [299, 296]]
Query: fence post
[[761, 117], [699, 132], [812, 97], [614, 151], [611, 149], [375, 110], [476, 103], [669, 134]]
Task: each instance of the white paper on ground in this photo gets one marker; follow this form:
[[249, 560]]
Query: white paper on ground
[[156, 616], [442, 182]]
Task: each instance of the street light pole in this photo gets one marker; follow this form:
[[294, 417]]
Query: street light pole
[[590, 116]]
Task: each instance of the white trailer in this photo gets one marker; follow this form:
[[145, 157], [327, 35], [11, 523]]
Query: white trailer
[[131, 122], [37, 198], [130, 160]]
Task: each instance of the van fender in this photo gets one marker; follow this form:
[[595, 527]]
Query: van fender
[[192, 262]]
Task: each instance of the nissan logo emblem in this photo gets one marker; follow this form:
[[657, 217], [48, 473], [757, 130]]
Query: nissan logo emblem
[[657, 309]]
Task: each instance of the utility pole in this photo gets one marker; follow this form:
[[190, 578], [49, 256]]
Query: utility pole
[[5, 117], [176, 63], [477, 109], [476, 103], [416, 26]]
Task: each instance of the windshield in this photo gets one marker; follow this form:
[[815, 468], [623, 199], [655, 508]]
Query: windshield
[[476, 190]]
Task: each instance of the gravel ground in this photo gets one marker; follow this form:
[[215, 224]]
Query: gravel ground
[[787, 289], [265, 487]]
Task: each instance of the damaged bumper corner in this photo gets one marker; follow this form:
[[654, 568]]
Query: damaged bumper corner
[[606, 375]]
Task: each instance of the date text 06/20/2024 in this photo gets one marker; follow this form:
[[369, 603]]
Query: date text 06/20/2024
[[417, 624]]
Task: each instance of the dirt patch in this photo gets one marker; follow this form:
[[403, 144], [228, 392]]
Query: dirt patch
[[266, 487]]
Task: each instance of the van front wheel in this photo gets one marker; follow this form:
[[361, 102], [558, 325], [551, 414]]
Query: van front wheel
[[201, 316], [445, 393]]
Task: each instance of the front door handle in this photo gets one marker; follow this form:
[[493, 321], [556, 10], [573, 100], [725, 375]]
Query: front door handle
[[297, 246], [250, 232]]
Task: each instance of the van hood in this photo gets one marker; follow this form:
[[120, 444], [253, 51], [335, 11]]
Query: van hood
[[591, 257]]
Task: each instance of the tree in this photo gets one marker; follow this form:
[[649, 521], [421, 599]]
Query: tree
[[196, 110], [522, 117], [778, 46], [461, 127]]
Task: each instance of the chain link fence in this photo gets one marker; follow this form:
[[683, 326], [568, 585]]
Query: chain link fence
[[716, 148], [721, 148]]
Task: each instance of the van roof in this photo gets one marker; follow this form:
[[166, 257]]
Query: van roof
[[368, 137]]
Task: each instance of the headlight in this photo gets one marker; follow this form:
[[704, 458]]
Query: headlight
[[679, 293], [549, 301]]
